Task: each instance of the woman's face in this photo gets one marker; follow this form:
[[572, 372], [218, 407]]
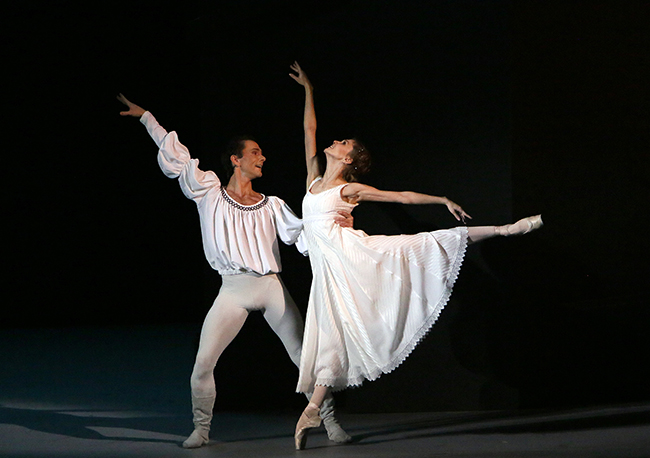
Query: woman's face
[[340, 149]]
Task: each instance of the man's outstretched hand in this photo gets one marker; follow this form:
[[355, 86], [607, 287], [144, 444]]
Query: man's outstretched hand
[[133, 110]]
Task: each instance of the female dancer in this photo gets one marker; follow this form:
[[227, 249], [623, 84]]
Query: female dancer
[[372, 297]]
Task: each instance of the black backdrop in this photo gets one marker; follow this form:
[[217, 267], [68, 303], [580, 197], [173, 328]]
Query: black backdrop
[[507, 108]]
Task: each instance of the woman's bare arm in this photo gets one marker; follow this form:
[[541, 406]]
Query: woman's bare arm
[[313, 169], [357, 192]]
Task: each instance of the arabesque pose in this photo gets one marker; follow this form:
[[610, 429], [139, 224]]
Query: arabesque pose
[[372, 297]]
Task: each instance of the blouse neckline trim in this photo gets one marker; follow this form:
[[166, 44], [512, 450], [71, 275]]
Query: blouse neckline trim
[[239, 206]]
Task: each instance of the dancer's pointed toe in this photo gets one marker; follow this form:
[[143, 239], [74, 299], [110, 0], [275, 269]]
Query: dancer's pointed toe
[[521, 227], [533, 223], [309, 419]]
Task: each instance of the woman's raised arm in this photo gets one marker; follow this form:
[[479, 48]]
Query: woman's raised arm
[[313, 169]]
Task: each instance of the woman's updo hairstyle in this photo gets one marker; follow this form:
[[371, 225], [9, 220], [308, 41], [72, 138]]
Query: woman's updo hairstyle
[[360, 164]]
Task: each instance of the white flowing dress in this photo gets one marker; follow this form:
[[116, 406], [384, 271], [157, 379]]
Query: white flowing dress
[[372, 298]]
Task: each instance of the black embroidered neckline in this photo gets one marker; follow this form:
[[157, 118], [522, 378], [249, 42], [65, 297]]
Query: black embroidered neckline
[[246, 208]]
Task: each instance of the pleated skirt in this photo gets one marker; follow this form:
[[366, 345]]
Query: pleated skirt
[[373, 298]]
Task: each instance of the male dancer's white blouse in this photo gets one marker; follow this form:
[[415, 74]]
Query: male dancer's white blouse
[[236, 238]]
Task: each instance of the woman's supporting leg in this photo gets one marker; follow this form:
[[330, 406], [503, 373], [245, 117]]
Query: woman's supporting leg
[[285, 320], [319, 395], [310, 416]]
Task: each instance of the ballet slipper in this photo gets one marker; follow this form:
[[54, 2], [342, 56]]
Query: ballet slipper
[[521, 227], [309, 419], [334, 430], [202, 411], [198, 438]]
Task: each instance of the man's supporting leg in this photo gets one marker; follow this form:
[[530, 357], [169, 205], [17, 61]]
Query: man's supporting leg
[[334, 430], [222, 323]]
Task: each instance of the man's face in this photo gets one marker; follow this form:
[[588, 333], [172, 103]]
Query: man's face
[[251, 161]]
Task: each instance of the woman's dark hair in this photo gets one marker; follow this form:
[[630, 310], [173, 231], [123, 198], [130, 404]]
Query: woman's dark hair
[[360, 162], [235, 146]]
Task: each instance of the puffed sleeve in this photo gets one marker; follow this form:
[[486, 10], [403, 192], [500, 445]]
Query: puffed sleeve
[[288, 225], [175, 161], [194, 182], [301, 244]]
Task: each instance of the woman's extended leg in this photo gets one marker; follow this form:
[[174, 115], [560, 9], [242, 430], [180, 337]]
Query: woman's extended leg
[[523, 226]]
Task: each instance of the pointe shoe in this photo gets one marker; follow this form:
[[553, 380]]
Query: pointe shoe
[[309, 419], [521, 227]]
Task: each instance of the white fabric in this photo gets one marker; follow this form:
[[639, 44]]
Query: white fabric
[[372, 297], [239, 295], [236, 238]]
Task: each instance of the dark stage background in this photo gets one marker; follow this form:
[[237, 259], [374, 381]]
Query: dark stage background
[[508, 108]]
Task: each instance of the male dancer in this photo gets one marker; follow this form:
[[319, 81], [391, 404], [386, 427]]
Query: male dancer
[[240, 229]]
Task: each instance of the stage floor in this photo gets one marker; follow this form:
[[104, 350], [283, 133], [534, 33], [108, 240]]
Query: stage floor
[[74, 393], [46, 431]]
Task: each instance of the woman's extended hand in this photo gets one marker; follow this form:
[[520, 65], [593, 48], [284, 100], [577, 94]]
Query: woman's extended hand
[[133, 110], [458, 212], [301, 76]]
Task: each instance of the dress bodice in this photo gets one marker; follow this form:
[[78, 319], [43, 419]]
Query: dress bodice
[[325, 205]]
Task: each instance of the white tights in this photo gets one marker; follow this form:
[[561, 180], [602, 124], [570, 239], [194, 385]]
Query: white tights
[[478, 233], [240, 294], [523, 226]]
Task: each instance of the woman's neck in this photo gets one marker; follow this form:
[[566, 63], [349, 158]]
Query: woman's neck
[[333, 172]]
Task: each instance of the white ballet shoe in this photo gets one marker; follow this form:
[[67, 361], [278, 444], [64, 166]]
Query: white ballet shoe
[[309, 419], [521, 227], [202, 412], [198, 438], [335, 432]]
